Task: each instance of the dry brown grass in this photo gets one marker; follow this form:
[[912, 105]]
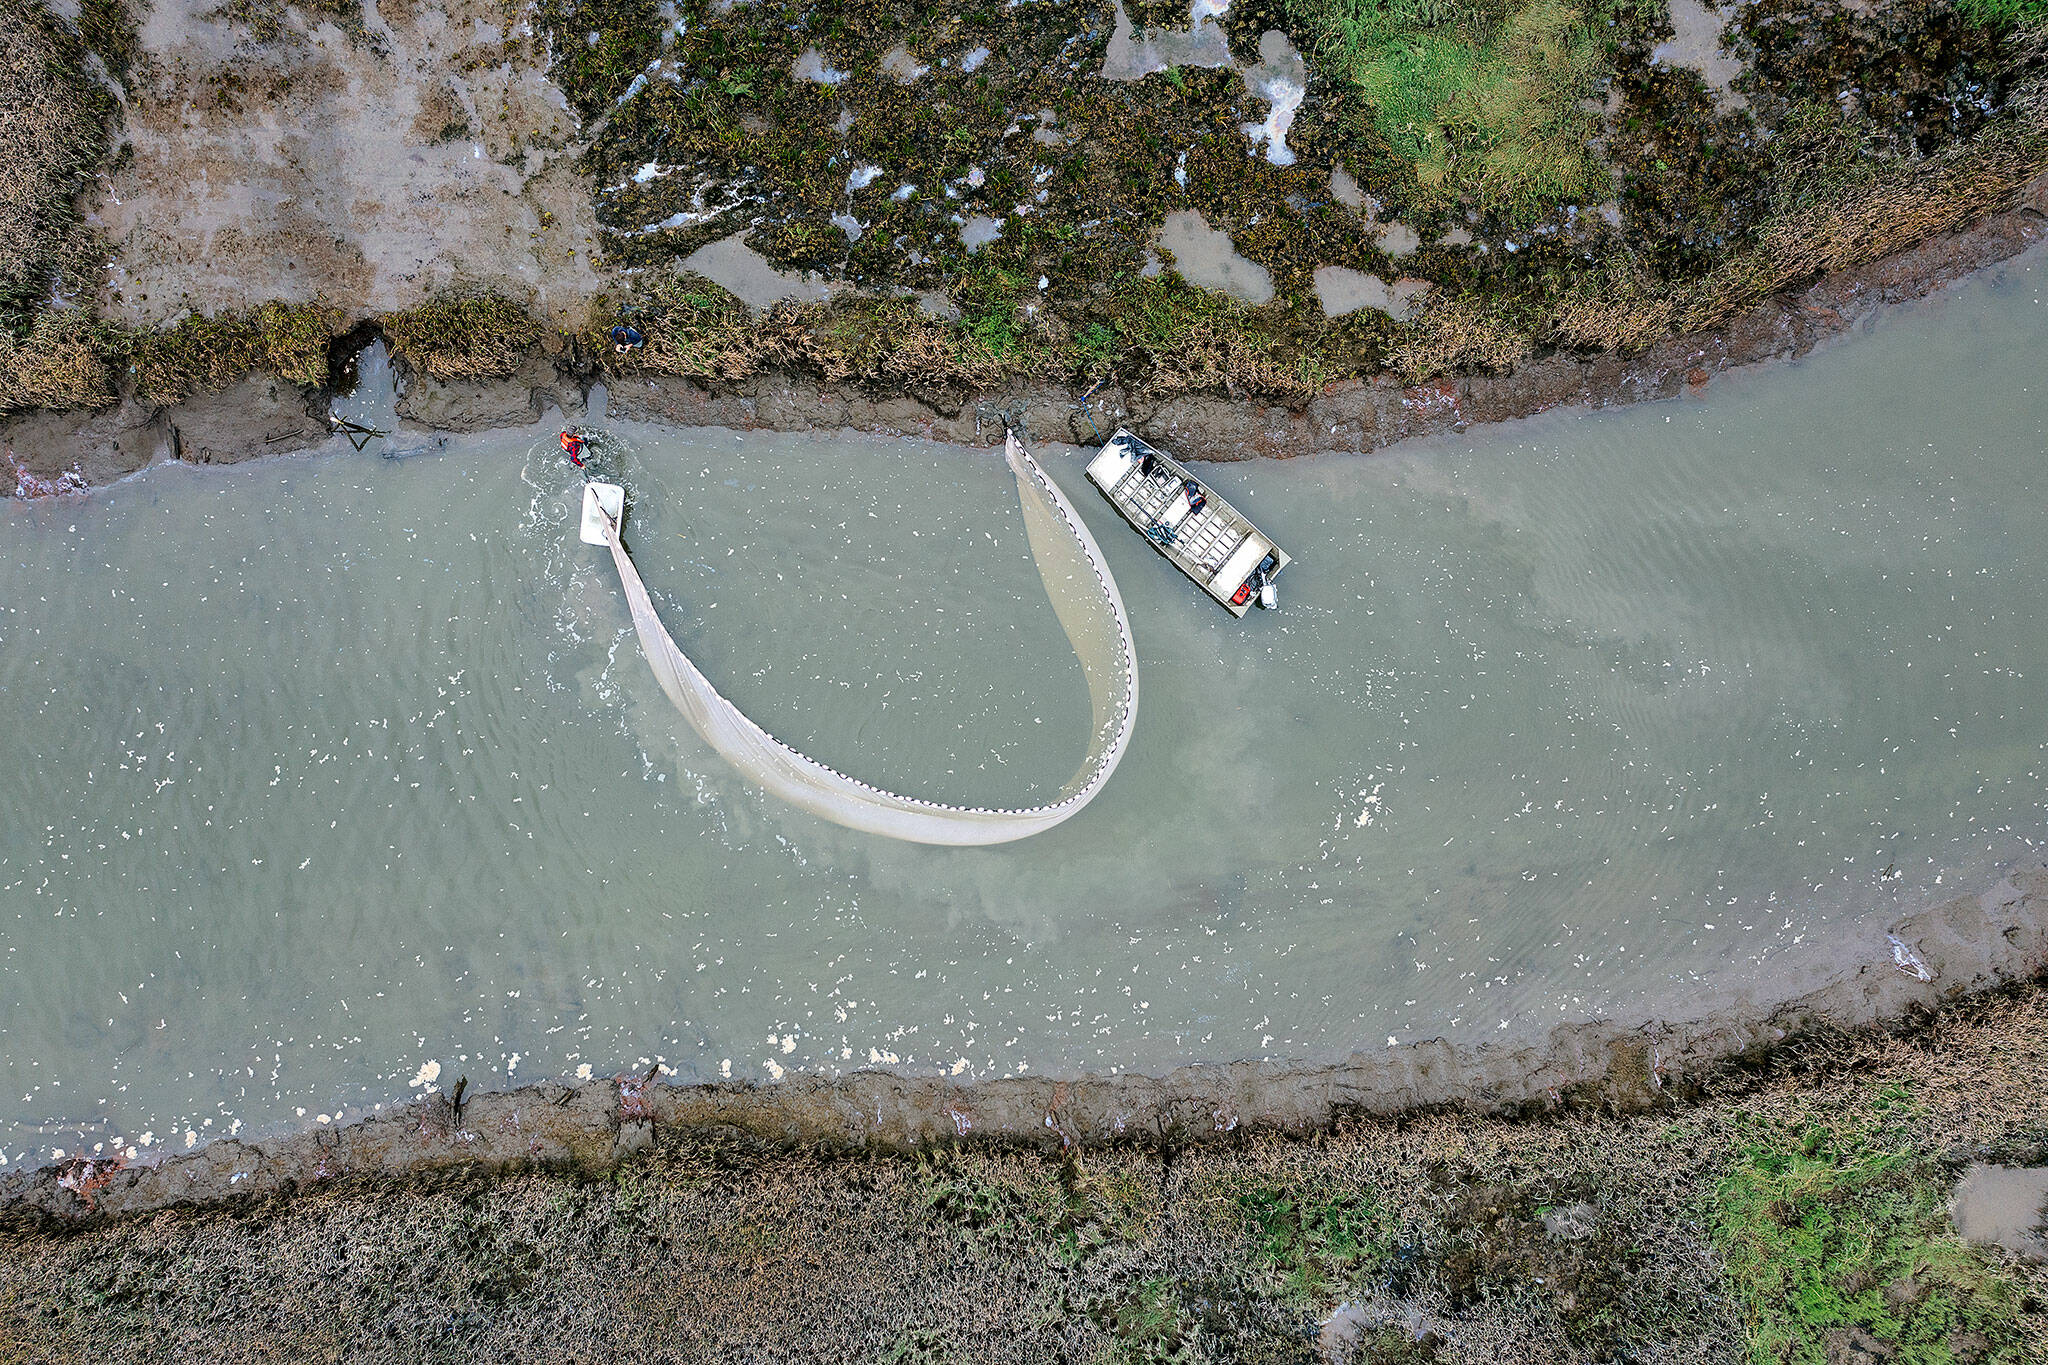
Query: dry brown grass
[[463, 335], [1456, 332], [1936, 197], [1223, 355], [58, 363], [1165, 345], [697, 330], [928, 352], [1625, 308], [205, 355], [51, 141]]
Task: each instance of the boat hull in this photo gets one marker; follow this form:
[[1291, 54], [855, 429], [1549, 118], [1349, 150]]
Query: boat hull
[[1197, 531]]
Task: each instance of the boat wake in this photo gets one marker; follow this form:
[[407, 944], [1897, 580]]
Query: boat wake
[[1090, 610]]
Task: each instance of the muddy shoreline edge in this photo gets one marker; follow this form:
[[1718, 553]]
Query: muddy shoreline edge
[[261, 415], [1968, 946]]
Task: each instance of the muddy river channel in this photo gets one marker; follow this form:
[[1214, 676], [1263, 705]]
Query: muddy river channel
[[330, 779]]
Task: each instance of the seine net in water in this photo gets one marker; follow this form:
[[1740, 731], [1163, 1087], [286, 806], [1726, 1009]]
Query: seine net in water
[[1090, 611]]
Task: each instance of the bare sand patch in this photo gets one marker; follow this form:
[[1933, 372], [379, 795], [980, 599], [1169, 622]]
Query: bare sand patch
[[2005, 1206], [1696, 43], [901, 67], [1135, 53], [810, 65], [734, 266], [1281, 80], [1396, 239], [978, 231], [1342, 290], [374, 173], [1205, 257]]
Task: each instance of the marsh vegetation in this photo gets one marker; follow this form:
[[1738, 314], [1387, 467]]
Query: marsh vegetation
[[1792, 1213], [1542, 174]]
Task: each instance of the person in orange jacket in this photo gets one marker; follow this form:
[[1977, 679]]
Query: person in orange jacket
[[573, 446]]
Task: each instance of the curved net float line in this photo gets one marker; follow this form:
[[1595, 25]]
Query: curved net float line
[[1090, 610]]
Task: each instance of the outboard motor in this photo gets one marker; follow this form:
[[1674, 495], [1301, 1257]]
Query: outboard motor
[[1269, 596]]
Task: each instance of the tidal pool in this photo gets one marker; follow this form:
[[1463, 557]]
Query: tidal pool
[[334, 778]]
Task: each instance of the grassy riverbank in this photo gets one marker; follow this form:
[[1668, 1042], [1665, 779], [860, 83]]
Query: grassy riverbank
[[1796, 1212], [1509, 178]]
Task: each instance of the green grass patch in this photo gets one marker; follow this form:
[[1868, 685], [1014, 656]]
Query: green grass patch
[[987, 1202], [1149, 1328], [2004, 13], [1837, 1232], [1309, 1244], [598, 46], [1068, 1212], [989, 299], [1481, 106]]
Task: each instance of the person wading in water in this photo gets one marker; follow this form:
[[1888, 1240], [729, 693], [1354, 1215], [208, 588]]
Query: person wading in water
[[574, 447]]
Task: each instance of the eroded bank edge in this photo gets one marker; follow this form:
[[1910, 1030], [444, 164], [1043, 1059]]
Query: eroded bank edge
[[263, 415], [1960, 949]]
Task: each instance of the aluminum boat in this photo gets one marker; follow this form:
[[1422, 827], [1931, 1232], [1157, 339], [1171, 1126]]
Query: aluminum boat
[[1205, 537]]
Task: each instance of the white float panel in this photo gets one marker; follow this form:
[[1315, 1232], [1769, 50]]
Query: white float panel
[[600, 500]]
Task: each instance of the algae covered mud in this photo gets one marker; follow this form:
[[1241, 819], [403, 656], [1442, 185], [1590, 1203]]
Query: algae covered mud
[[340, 779]]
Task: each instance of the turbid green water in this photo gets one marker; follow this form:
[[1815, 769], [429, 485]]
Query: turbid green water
[[324, 770]]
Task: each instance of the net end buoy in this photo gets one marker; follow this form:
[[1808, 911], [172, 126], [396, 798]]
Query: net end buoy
[[604, 506]]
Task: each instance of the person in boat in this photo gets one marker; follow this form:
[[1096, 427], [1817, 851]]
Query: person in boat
[[626, 337], [1197, 499], [574, 447]]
